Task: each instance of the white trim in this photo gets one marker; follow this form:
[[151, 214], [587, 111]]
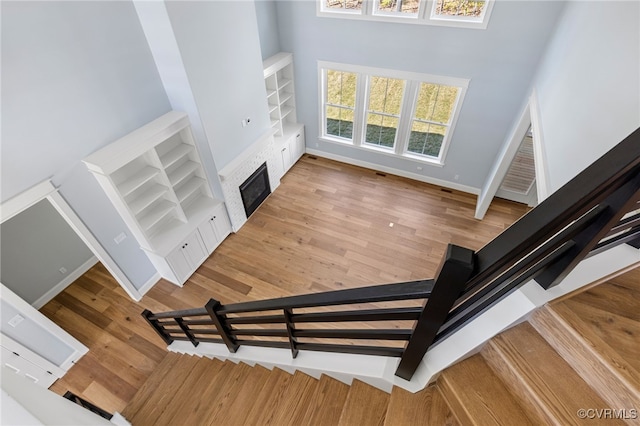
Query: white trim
[[25, 199], [149, 284], [65, 210], [46, 190], [399, 74], [430, 161], [539, 153], [397, 172], [14, 300], [74, 275], [501, 166]]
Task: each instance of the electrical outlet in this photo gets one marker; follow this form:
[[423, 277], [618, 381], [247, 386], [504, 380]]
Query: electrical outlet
[[63, 270], [246, 121], [419, 168], [120, 238], [456, 177]]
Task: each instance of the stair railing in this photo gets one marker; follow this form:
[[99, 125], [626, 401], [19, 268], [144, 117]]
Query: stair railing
[[597, 210]]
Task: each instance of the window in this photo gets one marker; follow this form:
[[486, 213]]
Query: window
[[458, 13], [340, 103], [393, 112], [383, 111], [431, 118], [343, 5], [394, 7]]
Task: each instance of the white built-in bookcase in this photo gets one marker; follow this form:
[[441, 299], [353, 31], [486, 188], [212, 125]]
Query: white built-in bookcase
[[156, 181], [281, 100], [281, 97]]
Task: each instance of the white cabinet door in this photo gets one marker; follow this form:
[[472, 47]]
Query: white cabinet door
[[285, 155], [221, 223], [215, 229], [298, 145], [186, 258], [194, 250], [179, 264]]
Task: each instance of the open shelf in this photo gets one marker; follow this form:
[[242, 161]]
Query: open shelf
[[147, 198], [182, 172], [191, 186], [137, 180], [156, 214], [175, 154], [285, 97]]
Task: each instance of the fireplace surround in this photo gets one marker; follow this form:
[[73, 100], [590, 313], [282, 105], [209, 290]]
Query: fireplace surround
[[240, 170], [255, 189]]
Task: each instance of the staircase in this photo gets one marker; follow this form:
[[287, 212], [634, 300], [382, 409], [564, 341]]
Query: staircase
[[576, 354]]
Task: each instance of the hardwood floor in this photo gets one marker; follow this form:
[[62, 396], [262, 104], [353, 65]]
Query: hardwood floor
[[328, 226]]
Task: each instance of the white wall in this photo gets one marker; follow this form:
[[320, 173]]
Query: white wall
[[34, 245], [30, 401], [75, 77], [588, 85], [267, 15], [162, 42], [220, 49], [500, 61]]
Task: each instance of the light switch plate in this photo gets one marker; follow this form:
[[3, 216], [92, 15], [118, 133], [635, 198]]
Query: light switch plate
[[13, 322]]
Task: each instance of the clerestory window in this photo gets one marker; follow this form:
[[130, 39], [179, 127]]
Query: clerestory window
[[456, 13]]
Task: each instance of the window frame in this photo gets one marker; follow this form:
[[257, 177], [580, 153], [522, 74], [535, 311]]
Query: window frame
[[407, 112], [425, 15]]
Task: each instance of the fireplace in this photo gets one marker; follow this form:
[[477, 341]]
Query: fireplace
[[255, 189]]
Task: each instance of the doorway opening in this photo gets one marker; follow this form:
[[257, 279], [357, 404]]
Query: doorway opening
[[519, 183]]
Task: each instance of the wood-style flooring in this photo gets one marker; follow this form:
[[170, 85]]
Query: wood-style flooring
[[328, 226]]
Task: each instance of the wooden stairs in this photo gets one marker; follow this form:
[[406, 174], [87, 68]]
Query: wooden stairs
[[576, 362]]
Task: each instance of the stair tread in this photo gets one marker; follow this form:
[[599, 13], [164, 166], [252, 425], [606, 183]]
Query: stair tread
[[191, 399], [272, 391], [611, 297], [427, 407], [150, 385], [231, 408], [479, 397], [292, 407], [365, 405], [327, 404], [211, 393], [605, 331], [559, 390], [171, 379]]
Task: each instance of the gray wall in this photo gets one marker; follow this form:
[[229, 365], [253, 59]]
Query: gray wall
[[220, 49], [75, 77], [588, 85], [500, 62], [34, 245], [267, 14]]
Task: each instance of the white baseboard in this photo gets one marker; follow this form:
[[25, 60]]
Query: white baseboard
[[73, 275], [397, 172], [148, 285]]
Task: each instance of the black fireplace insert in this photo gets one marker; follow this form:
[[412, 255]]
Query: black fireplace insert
[[255, 189]]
